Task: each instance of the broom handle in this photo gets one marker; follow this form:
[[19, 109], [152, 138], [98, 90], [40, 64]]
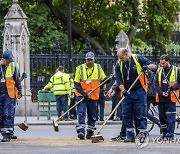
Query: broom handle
[[25, 114], [59, 118], [118, 104]]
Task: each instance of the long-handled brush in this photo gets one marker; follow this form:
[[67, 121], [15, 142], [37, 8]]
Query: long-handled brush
[[55, 121], [99, 137], [24, 126]]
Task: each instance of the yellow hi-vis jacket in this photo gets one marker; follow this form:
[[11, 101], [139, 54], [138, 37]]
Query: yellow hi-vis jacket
[[71, 87], [59, 84], [172, 82], [89, 83], [10, 83], [71, 81], [143, 78]]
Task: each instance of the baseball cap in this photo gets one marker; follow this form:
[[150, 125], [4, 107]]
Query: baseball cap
[[89, 55], [8, 56]]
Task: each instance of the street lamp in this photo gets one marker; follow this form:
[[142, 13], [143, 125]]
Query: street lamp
[[70, 67]]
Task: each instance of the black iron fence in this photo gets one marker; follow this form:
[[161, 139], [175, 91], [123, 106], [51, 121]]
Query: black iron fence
[[44, 63], [43, 66]]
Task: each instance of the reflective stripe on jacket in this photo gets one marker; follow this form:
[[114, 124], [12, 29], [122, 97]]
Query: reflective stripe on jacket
[[89, 84], [172, 82], [10, 83], [59, 84], [143, 79]]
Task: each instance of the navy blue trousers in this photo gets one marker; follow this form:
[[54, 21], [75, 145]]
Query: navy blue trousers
[[90, 106], [7, 113], [134, 106], [167, 117]]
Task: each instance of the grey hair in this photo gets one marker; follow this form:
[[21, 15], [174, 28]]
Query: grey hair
[[124, 51]]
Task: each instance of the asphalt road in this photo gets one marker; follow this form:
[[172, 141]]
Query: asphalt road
[[43, 140]]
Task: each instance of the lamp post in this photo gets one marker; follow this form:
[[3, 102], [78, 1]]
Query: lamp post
[[70, 67]]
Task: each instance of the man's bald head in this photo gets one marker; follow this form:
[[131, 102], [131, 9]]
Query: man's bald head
[[123, 54]]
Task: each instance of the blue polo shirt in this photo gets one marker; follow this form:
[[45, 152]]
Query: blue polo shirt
[[132, 72]]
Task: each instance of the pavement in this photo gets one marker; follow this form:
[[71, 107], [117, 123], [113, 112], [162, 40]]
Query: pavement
[[32, 120]]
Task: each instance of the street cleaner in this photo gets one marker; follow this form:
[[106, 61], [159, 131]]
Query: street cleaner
[[134, 106], [10, 89], [87, 77], [167, 84]]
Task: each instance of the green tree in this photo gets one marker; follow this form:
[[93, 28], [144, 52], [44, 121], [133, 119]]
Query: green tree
[[159, 19], [98, 20]]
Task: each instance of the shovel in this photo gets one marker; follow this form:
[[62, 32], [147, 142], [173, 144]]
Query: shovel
[[97, 138], [55, 121], [24, 126]]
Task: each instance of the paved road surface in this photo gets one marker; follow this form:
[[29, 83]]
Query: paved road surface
[[43, 140]]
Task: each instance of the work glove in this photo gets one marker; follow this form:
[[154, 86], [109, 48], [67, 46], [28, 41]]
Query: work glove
[[144, 68], [125, 93], [24, 75], [19, 94]]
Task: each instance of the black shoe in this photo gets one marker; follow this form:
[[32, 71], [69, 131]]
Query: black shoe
[[118, 138], [6, 139], [112, 118], [89, 134], [73, 117], [81, 136], [132, 139], [14, 137]]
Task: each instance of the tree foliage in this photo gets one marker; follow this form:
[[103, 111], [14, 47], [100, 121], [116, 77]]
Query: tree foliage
[[160, 16], [98, 20]]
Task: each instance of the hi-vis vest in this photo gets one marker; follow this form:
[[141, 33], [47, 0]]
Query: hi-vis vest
[[59, 84], [143, 79], [89, 84], [172, 81], [10, 84]]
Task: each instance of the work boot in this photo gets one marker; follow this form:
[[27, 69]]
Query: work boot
[[81, 136], [14, 137], [128, 140], [118, 138], [89, 134], [6, 139]]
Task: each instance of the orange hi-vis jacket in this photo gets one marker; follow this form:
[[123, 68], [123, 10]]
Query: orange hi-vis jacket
[[10, 84], [90, 83], [172, 81], [143, 78]]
